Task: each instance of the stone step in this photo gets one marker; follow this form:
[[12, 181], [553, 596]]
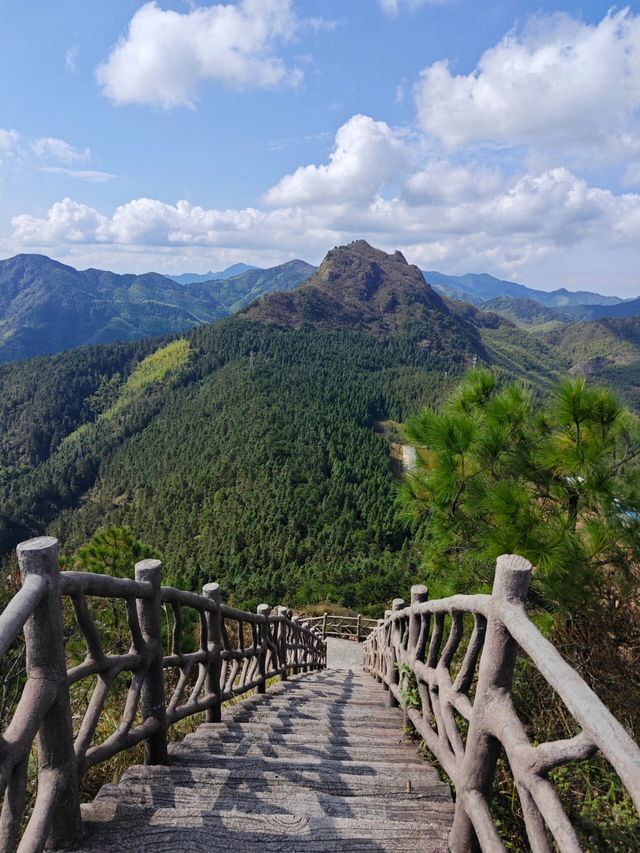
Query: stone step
[[125, 830], [308, 722], [346, 735], [313, 707], [292, 750], [344, 781], [281, 797], [317, 764]]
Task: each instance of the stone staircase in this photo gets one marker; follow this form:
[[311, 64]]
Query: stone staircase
[[317, 764]]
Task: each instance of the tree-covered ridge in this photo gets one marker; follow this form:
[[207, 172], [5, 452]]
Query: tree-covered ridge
[[47, 307], [238, 291], [266, 471], [42, 400], [257, 470]]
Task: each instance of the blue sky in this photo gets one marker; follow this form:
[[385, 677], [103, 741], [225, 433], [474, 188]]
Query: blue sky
[[497, 136]]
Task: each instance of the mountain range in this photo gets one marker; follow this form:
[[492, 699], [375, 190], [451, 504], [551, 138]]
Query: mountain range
[[194, 277], [480, 288], [269, 472], [47, 307]]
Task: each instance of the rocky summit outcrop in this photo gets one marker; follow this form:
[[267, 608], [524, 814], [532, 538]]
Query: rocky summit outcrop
[[355, 286]]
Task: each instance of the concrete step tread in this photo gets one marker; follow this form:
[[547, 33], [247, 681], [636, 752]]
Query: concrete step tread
[[319, 763], [127, 829]]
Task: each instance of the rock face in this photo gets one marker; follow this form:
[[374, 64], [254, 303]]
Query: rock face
[[359, 287]]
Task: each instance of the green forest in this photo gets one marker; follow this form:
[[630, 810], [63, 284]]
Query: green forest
[[265, 473]]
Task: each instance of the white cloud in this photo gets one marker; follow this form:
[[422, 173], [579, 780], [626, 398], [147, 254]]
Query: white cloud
[[165, 55], [509, 228], [392, 7], [8, 141], [379, 184], [560, 80], [367, 155], [67, 221], [71, 59], [50, 148], [443, 182], [91, 175]]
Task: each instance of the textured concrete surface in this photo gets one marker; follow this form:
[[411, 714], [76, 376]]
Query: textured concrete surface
[[318, 764], [344, 654]]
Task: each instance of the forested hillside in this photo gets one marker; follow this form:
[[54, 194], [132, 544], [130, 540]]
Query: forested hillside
[[266, 472], [47, 307]]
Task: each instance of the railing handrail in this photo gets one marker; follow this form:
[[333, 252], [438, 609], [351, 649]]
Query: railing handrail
[[407, 637], [264, 645], [336, 625]]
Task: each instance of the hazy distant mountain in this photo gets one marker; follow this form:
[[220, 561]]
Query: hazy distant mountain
[[628, 308], [46, 306], [479, 288], [194, 278], [241, 290], [527, 312]]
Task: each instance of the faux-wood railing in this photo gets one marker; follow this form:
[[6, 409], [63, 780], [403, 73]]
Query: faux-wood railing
[[226, 663], [410, 639], [355, 628]]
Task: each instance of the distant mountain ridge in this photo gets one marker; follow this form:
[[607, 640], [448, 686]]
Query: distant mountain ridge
[[195, 278], [239, 291], [47, 306], [481, 287]]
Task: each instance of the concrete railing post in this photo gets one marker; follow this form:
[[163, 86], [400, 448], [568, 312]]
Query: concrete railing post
[[57, 767], [152, 701], [324, 624], [495, 676], [419, 594], [392, 672], [358, 628], [263, 632], [282, 641], [214, 642]]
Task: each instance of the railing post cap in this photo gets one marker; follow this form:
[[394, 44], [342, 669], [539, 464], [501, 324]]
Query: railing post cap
[[212, 590], [148, 570], [38, 556], [397, 604], [512, 577], [263, 609], [39, 543], [419, 592]]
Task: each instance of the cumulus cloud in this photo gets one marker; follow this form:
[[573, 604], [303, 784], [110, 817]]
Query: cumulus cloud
[[165, 55], [8, 140], [559, 80], [67, 221], [514, 223], [444, 182], [367, 155], [50, 148]]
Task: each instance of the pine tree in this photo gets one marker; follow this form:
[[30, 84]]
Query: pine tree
[[559, 485]]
